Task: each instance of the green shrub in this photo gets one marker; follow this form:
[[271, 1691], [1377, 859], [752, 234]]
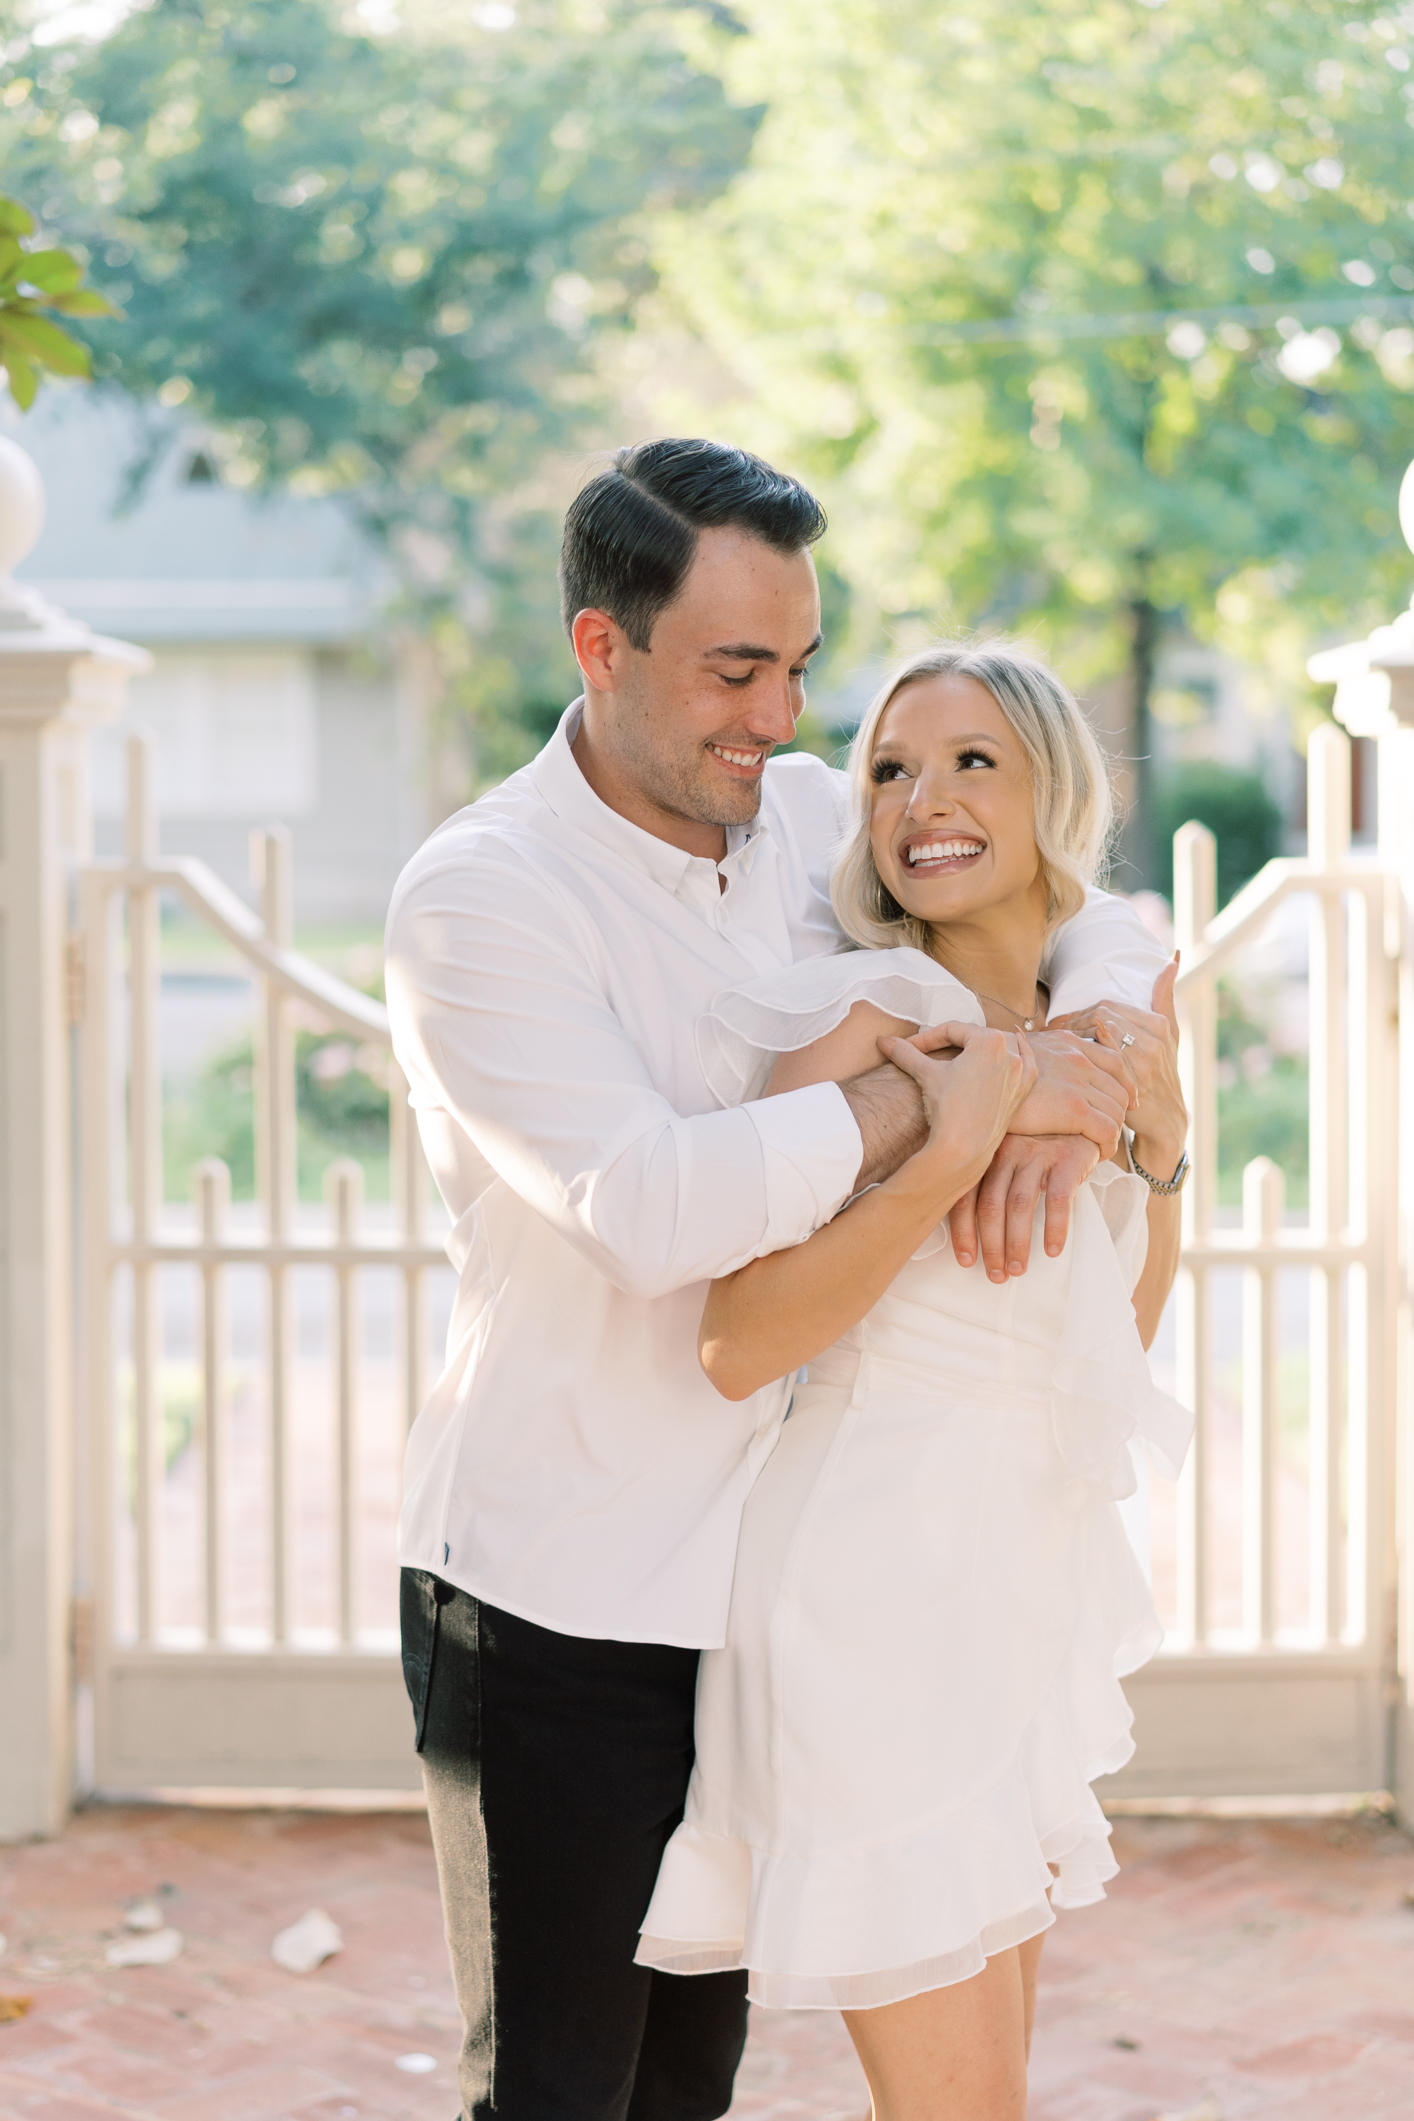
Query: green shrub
[[1266, 1116], [1237, 810], [1263, 1101], [339, 1112]]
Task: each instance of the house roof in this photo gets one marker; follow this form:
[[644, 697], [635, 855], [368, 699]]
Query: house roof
[[190, 558]]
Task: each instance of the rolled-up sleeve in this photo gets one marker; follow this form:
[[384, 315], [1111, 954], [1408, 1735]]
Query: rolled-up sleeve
[[1104, 954], [502, 1026]]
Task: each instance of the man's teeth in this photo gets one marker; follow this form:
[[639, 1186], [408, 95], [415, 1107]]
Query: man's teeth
[[736, 758], [944, 850]]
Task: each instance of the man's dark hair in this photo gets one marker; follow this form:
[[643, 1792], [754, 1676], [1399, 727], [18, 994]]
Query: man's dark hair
[[631, 534]]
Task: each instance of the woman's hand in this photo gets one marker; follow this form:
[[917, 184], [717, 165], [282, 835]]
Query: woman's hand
[[969, 1099], [779, 1311], [1157, 1112]]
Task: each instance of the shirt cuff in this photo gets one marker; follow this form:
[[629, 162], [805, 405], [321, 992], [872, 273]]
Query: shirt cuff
[[812, 1149]]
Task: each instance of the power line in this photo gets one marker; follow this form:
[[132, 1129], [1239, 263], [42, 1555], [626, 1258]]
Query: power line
[[1155, 323]]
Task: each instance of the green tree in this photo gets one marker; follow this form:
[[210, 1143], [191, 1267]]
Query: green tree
[[1083, 312], [382, 266], [31, 282]]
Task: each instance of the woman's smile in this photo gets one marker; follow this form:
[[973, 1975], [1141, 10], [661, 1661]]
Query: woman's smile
[[935, 853]]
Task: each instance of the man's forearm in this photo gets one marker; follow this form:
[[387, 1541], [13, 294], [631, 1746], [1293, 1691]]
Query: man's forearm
[[888, 1110]]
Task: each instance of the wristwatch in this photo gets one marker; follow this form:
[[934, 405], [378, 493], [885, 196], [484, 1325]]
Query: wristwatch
[[1175, 1184]]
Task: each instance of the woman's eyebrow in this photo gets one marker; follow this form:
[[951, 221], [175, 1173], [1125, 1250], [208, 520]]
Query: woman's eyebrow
[[892, 750]]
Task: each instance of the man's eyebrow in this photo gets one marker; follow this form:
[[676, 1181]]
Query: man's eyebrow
[[751, 652]]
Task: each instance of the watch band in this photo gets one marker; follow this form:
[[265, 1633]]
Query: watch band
[[1175, 1184]]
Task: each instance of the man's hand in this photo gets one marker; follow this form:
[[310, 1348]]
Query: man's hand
[[1002, 1208], [1145, 1042], [1081, 1088]]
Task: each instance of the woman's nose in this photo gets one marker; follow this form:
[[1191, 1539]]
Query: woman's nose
[[931, 797]]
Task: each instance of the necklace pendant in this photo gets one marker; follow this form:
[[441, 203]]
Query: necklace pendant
[[1029, 1024]]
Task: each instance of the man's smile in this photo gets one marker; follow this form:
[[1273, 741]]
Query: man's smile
[[746, 762]]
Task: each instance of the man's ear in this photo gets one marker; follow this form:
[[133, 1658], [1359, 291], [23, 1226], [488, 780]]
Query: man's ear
[[600, 647]]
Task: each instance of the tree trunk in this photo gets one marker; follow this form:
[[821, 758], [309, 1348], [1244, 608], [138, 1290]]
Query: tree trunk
[[1138, 865]]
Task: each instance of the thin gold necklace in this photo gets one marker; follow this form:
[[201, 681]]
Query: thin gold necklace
[[1027, 1023]]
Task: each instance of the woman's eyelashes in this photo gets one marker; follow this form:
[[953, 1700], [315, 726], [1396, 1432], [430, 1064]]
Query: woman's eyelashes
[[966, 761]]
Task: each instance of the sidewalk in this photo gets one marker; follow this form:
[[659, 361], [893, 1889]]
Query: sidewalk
[[1238, 1969]]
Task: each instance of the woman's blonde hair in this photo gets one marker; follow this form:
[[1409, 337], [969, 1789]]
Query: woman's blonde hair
[[1069, 778]]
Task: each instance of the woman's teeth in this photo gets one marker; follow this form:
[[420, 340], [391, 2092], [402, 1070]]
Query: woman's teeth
[[944, 850]]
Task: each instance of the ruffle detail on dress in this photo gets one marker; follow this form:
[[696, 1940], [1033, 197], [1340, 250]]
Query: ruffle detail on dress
[[746, 1027], [1101, 1386], [822, 1928], [980, 1884]]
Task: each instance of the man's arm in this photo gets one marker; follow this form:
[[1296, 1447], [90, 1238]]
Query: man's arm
[[1104, 953], [503, 1028], [888, 1112], [1071, 1118]]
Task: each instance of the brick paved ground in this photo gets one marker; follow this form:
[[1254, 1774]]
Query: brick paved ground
[[1237, 1970]]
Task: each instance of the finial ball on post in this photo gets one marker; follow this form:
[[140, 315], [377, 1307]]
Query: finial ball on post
[[21, 505], [1406, 507]]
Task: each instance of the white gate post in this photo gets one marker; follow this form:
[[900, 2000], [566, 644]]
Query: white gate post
[[1396, 815], [1374, 682], [56, 679]]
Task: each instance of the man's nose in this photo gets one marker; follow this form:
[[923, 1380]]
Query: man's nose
[[772, 715]]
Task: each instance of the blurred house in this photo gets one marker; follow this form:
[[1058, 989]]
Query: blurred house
[[280, 689], [1208, 707]]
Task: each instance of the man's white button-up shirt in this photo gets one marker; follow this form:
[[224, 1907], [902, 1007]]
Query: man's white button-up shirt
[[547, 962]]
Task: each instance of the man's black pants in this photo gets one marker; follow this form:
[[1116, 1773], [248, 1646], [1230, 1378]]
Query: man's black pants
[[556, 1769]]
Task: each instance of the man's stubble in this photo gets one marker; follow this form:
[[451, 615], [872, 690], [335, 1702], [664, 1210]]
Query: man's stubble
[[677, 775]]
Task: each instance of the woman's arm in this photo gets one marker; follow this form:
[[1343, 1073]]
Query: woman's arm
[[1151, 1291], [776, 1313], [1160, 1121]]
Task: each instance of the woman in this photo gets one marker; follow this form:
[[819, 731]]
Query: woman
[[934, 1595]]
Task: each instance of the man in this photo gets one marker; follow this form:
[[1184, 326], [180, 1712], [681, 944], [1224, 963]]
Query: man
[[574, 1485]]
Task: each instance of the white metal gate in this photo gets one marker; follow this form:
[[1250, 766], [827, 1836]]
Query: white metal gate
[[1256, 1707], [210, 1705], [1240, 1702]]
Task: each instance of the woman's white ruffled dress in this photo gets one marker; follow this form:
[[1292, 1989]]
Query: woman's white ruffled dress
[[934, 1598]]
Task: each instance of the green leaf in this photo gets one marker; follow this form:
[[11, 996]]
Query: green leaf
[[84, 302], [15, 219], [54, 272], [44, 343], [22, 380]]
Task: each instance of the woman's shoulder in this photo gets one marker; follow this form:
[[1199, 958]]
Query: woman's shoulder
[[782, 1011]]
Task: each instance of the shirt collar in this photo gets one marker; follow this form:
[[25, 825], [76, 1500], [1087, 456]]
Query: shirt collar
[[569, 795]]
